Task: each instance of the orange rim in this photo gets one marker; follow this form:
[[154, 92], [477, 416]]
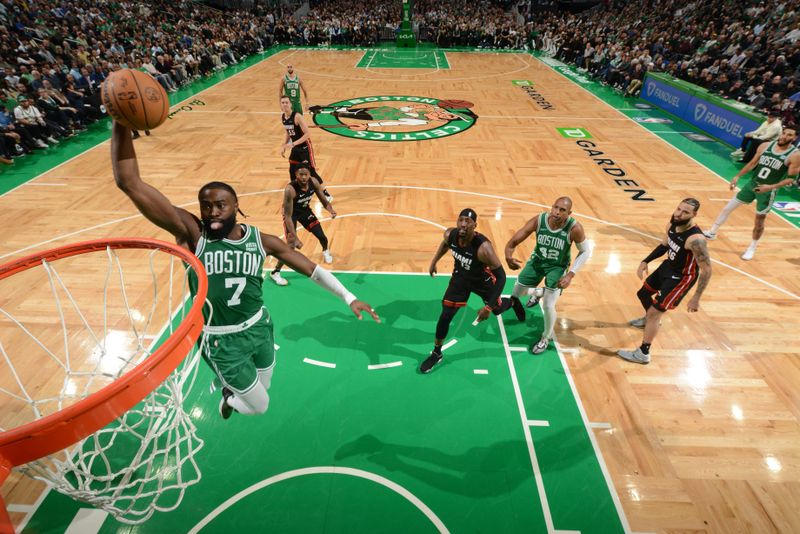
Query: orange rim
[[59, 430]]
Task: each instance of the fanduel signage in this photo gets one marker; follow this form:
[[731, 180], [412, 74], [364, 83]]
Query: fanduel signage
[[666, 97], [717, 121], [722, 123]]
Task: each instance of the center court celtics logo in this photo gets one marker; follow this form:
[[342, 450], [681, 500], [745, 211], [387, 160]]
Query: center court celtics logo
[[395, 118]]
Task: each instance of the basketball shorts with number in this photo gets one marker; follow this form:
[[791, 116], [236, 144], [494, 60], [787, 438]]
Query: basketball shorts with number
[[764, 201], [535, 271], [670, 286], [457, 293], [236, 357]]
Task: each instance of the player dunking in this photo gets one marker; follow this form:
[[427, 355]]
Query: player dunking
[[550, 260], [290, 86], [298, 142], [296, 199], [770, 165], [688, 263], [239, 346], [476, 269]]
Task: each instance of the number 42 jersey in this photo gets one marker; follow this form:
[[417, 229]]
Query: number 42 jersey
[[553, 246]]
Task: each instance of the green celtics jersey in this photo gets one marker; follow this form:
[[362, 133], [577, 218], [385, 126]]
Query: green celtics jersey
[[771, 167], [291, 88], [553, 246], [234, 276]]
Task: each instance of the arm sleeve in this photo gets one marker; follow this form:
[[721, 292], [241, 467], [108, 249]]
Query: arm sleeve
[[497, 290], [659, 251], [585, 249], [326, 280]]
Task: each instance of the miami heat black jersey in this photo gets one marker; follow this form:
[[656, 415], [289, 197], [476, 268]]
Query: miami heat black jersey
[[679, 259], [291, 128], [466, 263], [302, 198]]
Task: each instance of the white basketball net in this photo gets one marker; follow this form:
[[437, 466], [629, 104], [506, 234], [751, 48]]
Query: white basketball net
[[143, 461]]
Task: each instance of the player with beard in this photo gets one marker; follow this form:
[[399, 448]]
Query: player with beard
[[550, 261], [298, 142], [296, 199], [476, 269], [290, 87], [687, 253], [239, 346], [771, 165]]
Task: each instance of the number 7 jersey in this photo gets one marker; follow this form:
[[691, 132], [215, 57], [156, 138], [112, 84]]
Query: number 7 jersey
[[234, 276]]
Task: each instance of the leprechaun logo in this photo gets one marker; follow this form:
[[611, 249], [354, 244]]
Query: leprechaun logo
[[395, 118]]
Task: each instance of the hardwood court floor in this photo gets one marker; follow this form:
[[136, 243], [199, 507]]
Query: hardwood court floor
[[705, 438]]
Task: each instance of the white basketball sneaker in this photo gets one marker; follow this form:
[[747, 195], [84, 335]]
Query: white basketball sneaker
[[749, 253], [540, 346], [635, 356], [278, 279]]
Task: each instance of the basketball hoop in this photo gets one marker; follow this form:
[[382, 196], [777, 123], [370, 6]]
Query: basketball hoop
[[76, 449]]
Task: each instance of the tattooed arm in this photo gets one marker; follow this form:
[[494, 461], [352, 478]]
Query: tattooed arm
[[699, 247]]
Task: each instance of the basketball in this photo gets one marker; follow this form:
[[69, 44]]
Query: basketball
[[135, 99], [456, 104]]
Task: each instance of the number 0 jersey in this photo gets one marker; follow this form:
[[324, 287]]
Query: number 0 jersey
[[234, 276], [772, 167]]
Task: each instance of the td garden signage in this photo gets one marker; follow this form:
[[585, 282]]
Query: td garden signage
[[395, 118]]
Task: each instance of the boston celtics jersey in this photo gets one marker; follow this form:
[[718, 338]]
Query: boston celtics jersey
[[291, 88], [772, 167], [234, 276], [553, 246]]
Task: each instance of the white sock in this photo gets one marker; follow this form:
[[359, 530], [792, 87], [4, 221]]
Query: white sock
[[753, 244], [549, 309], [256, 400], [724, 214]]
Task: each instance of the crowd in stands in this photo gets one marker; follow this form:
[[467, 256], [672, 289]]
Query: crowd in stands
[[748, 50], [55, 54]]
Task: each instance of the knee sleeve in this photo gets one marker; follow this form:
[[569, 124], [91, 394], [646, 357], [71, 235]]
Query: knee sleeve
[[443, 325]]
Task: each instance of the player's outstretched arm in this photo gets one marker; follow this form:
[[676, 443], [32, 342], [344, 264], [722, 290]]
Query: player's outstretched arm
[[699, 247], [521, 235], [149, 200], [301, 264], [441, 251]]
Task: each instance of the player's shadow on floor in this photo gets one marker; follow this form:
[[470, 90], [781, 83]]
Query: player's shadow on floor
[[380, 343], [479, 471], [795, 261]]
